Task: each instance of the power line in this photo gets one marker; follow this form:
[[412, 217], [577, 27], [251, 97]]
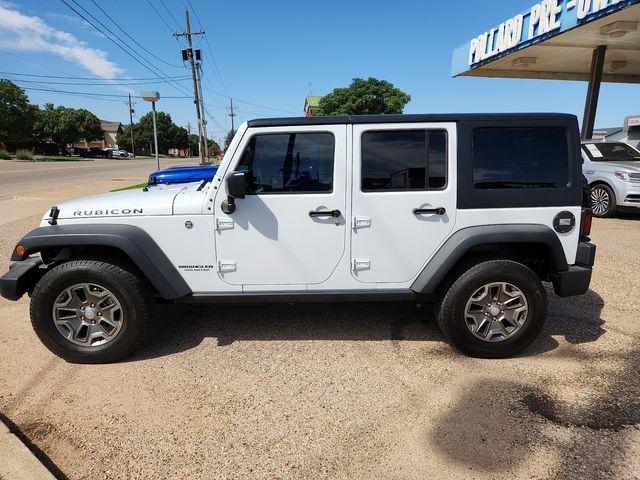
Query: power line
[[182, 77], [133, 39], [92, 94], [92, 84], [192, 60], [76, 94], [125, 50], [160, 16], [213, 58], [170, 14], [257, 105], [48, 67]]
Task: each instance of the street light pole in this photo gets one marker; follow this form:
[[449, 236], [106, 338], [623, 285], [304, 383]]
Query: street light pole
[[155, 134], [153, 96]]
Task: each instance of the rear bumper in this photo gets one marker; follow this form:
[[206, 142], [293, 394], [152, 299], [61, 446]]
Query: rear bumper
[[20, 278], [576, 280]]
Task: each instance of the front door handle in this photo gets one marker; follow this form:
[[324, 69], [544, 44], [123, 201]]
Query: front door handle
[[325, 213], [430, 211]]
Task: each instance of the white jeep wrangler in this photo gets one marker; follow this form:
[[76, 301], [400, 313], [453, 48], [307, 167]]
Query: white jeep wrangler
[[469, 212]]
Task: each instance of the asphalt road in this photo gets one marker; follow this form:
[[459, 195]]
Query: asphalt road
[[29, 188], [340, 391], [19, 177]]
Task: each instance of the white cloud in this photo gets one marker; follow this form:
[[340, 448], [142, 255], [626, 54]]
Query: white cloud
[[27, 33]]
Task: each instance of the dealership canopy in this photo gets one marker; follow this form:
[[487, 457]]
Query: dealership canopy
[[594, 40]]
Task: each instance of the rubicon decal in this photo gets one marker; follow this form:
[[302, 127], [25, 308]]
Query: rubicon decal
[[113, 211]]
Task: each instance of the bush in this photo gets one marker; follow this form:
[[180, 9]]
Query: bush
[[39, 158], [4, 155], [24, 155]]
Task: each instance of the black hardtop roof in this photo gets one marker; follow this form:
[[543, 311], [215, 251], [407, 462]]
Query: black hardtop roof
[[413, 118]]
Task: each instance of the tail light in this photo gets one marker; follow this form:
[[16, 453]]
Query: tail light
[[587, 219]]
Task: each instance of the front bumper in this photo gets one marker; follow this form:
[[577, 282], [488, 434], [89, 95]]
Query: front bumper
[[576, 280], [20, 278], [627, 194]]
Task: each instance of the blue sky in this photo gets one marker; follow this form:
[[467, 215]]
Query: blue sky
[[270, 54]]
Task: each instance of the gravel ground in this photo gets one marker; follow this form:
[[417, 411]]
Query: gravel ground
[[341, 391]]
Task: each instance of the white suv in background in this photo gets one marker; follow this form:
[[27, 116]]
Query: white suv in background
[[613, 172]]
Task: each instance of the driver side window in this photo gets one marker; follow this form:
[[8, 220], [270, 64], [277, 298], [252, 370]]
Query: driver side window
[[289, 163]]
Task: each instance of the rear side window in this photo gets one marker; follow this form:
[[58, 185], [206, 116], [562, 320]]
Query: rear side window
[[507, 158], [404, 160], [289, 163]]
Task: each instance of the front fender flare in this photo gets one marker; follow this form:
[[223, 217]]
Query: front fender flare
[[134, 242]]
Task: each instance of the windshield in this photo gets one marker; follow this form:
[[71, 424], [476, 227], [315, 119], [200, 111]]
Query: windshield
[[611, 152]]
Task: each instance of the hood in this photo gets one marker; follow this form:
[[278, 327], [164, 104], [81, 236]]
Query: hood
[[631, 165], [126, 203]]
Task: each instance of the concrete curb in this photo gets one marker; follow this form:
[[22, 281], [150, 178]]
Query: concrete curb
[[17, 462]]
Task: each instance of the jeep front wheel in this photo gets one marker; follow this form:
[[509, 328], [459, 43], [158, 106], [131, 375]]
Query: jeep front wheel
[[494, 309], [89, 311]]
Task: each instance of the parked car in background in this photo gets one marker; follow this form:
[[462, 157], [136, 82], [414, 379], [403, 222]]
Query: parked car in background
[[613, 172], [93, 152], [183, 174]]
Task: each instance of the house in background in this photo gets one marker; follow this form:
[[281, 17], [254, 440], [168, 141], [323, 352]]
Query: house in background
[[110, 129], [312, 106]]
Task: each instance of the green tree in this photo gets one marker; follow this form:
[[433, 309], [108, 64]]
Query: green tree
[[88, 125], [17, 115], [214, 149], [62, 126], [229, 138], [364, 97], [193, 144], [170, 135], [124, 139]]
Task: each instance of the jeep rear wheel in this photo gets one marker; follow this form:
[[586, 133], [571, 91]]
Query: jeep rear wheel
[[494, 309], [89, 311], [603, 201]]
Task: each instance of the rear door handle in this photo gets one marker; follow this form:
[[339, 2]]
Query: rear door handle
[[325, 213], [430, 211]]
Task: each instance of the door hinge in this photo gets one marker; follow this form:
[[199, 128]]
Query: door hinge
[[226, 266], [361, 222], [358, 264], [222, 224]]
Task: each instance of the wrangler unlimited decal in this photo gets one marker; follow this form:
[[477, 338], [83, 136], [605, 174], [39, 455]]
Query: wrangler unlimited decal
[[114, 211]]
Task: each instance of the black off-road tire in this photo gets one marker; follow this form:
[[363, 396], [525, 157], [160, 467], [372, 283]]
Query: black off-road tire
[[603, 193], [450, 310], [128, 289]]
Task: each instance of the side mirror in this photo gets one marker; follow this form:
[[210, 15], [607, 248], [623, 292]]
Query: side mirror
[[236, 188]]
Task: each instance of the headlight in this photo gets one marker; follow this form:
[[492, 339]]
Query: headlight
[[624, 176]]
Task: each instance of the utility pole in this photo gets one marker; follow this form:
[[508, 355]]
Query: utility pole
[[188, 55], [204, 114], [133, 145], [232, 114], [189, 136]]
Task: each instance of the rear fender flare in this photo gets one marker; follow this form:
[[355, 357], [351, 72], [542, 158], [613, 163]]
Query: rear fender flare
[[462, 241]]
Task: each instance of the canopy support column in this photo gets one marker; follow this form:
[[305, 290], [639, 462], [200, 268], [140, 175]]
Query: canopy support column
[[593, 92]]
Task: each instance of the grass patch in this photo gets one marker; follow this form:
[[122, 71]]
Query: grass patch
[[131, 187]]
